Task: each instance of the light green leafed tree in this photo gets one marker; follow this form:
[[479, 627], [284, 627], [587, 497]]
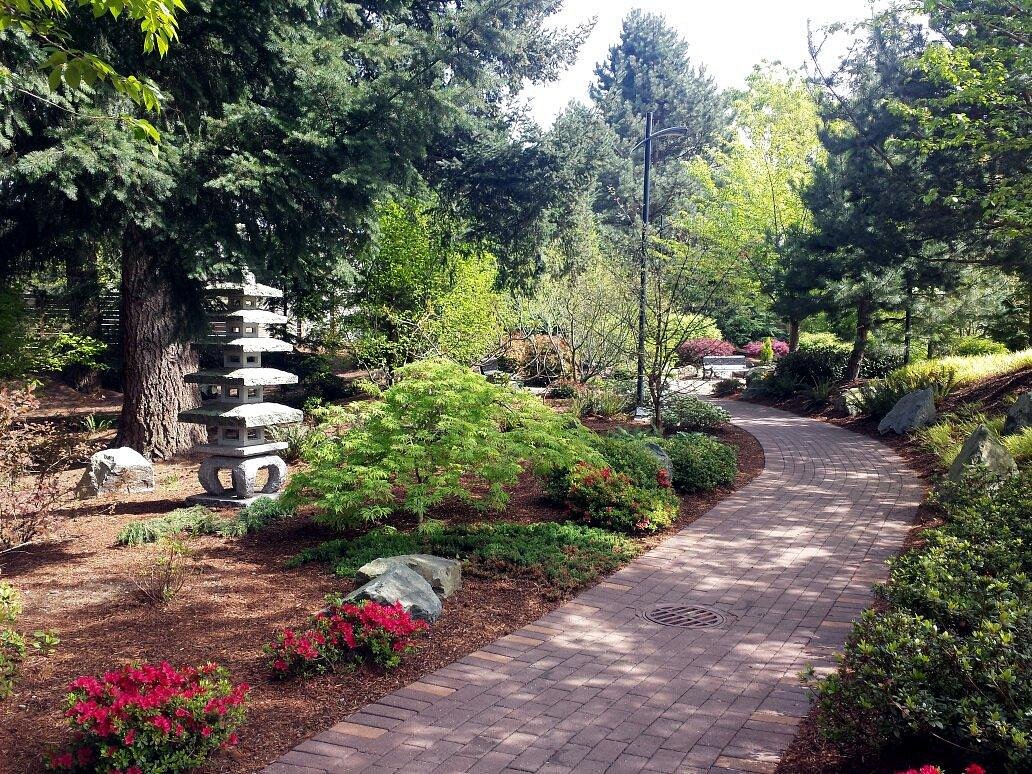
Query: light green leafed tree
[[70, 63], [749, 189]]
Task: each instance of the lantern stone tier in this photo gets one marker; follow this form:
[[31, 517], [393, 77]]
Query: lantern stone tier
[[238, 418]]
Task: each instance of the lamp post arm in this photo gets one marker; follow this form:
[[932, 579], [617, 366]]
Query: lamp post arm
[[670, 130]]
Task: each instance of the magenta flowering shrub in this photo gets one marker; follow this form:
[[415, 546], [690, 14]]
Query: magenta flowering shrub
[[755, 348], [151, 717], [346, 633], [971, 768], [694, 350]]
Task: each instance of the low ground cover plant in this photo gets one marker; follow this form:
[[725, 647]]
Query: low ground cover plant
[[440, 431], [688, 412], [604, 498], [345, 635], [12, 644], [701, 463], [151, 717], [199, 520], [565, 556], [950, 658]]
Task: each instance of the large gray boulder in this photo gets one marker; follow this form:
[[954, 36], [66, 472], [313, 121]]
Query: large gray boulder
[[122, 470], [443, 575], [400, 584], [1019, 418], [984, 449], [912, 412]]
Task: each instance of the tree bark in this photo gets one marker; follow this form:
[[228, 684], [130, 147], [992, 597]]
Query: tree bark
[[793, 334], [864, 313], [155, 357]]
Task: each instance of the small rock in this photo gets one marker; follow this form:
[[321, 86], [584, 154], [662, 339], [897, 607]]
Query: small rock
[[1019, 418], [443, 575], [983, 448], [400, 584], [116, 470], [912, 412], [662, 458], [689, 372], [849, 401]]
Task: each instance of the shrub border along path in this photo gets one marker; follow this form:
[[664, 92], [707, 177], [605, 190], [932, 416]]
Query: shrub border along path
[[593, 686]]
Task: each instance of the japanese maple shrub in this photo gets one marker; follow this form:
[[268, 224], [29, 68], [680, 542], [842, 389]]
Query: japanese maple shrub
[[440, 431], [151, 718], [345, 634]]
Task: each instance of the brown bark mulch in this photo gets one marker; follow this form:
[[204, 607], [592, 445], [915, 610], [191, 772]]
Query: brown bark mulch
[[238, 594]]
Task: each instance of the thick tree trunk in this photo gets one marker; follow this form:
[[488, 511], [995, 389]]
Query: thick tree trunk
[[154, 360], [793, 334], [864, 314]]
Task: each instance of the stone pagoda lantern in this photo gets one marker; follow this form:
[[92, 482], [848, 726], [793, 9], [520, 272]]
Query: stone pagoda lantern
[[238, 417]]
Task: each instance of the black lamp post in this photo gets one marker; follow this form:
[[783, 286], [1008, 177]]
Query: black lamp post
[[645, 213]]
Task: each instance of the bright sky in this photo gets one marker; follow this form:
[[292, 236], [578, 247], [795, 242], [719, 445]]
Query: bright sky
[[728, 36]]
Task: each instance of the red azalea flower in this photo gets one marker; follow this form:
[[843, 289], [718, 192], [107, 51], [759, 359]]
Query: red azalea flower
[[974, 768]]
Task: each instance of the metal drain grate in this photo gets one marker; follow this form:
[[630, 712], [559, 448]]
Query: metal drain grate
[[685, 616]]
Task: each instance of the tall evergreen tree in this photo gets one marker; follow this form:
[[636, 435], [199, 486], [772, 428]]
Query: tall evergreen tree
[[284, 123]]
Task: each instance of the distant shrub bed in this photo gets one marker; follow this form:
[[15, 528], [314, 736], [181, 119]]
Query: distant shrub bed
[[566, 556], [694, 350], [970, 346], [700, 462], [756, 349], [951, 658]]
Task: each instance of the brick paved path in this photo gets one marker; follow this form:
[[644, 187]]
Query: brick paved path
[[593, 687]]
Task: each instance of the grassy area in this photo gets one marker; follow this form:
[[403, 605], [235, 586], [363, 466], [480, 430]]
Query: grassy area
[[945, 437], [567, 556], [968, 370]]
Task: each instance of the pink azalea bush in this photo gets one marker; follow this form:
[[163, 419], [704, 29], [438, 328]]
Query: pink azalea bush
[[694, 350], [971, 768], [345, 633], [151, 717], [755, 348]]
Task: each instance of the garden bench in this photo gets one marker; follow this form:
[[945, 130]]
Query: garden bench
[[723, 366]]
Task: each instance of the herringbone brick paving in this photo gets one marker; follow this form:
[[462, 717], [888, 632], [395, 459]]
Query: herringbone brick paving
[[594, 687]]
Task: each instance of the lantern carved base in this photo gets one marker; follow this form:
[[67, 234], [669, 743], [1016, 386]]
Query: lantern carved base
[[244, 473]]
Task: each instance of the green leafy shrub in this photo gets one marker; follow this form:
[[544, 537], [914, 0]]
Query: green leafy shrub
[[566, 556], [628, 453], [610, 500], [301, 439], [823, 340], [805, 368], [440, 431], [725, 387], [12, 646], [700, 462], [563, 389], [970, 346], [880, 360], [198, 520], [600, 399], [951, 657], [345, 633], [691, 413]]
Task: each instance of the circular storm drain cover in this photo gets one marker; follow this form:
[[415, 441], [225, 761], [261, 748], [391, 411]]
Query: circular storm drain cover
[[685, 616]]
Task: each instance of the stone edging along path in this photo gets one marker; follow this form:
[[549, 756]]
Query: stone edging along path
[[781, 567]]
